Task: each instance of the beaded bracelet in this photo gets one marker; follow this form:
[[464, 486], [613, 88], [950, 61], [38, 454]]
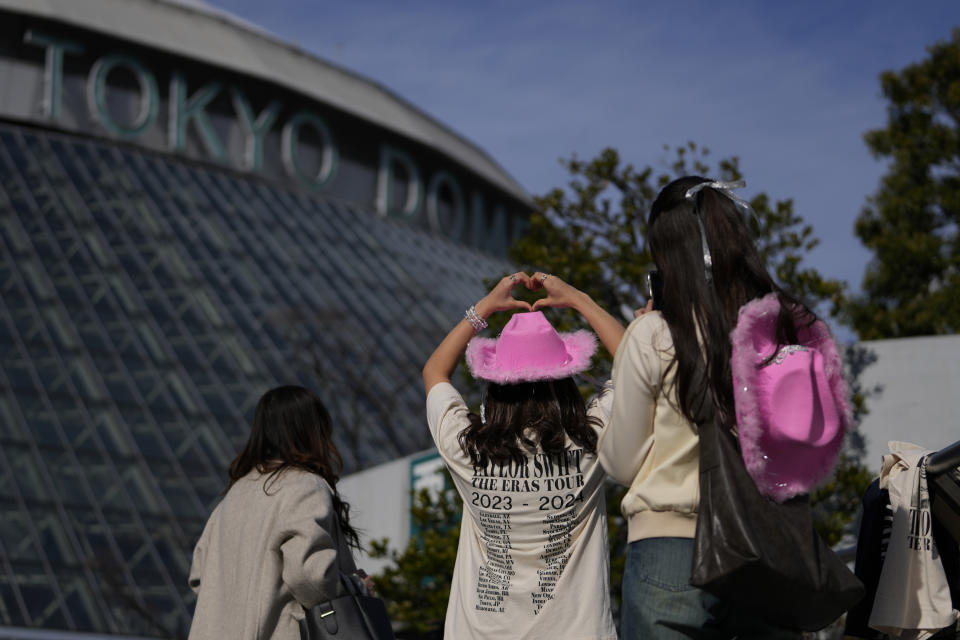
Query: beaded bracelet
[[474, 319]]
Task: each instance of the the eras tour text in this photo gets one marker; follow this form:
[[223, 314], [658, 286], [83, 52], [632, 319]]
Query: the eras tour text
[[551, 483]]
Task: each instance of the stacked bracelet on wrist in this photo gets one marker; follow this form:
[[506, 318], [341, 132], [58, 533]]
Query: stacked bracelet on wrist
[[474, 319]]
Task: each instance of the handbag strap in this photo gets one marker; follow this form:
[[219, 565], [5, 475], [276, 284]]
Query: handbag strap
[[700, 396], [337, 534], [709, 426], [944, 460], [345, 579]]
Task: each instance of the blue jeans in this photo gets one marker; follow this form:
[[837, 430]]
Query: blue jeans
[[659, 602]]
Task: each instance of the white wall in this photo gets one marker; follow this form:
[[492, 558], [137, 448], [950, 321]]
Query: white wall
[[920, 397], [379, 499]]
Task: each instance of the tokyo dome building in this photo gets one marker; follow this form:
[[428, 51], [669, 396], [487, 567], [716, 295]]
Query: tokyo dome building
[[193, 211]]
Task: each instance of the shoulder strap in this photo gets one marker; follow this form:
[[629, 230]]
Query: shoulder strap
[[336, 534]]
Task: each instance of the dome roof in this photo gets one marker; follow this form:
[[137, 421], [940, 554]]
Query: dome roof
[[198, 30]]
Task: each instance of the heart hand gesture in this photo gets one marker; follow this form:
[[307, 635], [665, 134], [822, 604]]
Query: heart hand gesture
[[559, 293], [501, 297]]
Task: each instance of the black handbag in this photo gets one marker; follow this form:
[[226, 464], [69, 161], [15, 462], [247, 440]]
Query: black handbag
[[763, 555], [355, 616]]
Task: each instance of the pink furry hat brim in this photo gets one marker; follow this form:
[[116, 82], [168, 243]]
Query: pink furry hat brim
[[483, 363]]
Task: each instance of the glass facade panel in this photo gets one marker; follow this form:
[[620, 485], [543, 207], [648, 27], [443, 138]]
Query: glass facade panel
[[145, 304], [17, 535], [12, 608], [68, 478]]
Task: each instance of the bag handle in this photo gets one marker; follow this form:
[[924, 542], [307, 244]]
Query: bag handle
[[345, 576], [337, 533], [944, 460]]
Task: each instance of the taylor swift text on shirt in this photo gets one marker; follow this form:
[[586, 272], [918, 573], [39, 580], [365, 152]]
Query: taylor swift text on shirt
[[551, 483]]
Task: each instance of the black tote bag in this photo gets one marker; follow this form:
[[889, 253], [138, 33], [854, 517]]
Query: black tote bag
[[760, 554]]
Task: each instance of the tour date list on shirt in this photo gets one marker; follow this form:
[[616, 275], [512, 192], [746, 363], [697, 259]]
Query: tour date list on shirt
[[498, 489]]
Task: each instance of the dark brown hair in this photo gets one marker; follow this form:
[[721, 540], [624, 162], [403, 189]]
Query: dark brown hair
[[522, 417], [292, 429]]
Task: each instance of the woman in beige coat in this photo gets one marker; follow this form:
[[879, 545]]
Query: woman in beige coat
[[278, 541]]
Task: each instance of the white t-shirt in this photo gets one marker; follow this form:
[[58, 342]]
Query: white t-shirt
[[533, 559]]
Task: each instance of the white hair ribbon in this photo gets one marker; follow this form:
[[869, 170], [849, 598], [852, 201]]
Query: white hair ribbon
[[726, 188]]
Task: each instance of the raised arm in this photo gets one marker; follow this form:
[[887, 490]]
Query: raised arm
[[443, 361], [560, 294]]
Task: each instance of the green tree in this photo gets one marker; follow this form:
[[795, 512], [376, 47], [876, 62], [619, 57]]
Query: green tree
[[592, 233], [912, 284], [417, 585]]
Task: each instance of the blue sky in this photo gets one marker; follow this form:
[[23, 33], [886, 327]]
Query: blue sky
[[788, 87]]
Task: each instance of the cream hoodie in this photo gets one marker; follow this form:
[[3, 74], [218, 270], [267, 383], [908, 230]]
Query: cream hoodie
[[649, 446]]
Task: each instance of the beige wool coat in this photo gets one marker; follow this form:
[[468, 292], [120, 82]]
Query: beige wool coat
[[270, 549]]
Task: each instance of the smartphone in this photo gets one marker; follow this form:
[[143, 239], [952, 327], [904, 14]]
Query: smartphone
[[655, 288]]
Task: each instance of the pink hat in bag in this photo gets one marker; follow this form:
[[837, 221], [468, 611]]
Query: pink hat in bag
[[792, 412], [530, 349]]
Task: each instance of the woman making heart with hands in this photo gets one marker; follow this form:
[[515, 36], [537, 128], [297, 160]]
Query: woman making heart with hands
[[533, 557]]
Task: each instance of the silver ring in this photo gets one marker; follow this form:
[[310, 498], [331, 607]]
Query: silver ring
[[513, 278], [544, 278]]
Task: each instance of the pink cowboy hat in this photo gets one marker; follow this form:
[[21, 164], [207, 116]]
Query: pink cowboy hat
[[530, 349], [791, 413]]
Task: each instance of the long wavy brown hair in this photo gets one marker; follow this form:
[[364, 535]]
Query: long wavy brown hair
[[522, 417], [292, 429]]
